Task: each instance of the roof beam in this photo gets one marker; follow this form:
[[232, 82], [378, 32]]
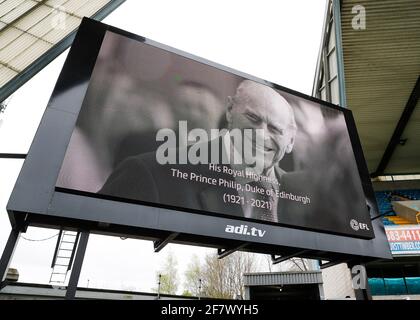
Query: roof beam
[[399, 130], [13, 155], [20, 79]]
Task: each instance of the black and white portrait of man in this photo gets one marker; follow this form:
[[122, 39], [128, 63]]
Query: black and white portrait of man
[[294, 163]]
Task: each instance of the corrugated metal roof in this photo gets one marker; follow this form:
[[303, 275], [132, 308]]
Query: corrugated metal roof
[[30, 28], [381, 66], [282, 278]]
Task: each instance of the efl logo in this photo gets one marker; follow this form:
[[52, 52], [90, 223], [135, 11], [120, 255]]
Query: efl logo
[[356, 226], [243, 229]]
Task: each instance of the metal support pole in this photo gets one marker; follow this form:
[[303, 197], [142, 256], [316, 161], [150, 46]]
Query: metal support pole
[[199, 289], [54, 259], [362, 293], [13, 155], [7, 255], [77, 266], [158, 293], [73, 251]]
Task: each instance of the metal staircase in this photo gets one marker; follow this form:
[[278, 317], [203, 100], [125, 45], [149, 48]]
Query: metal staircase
[[63, 256]]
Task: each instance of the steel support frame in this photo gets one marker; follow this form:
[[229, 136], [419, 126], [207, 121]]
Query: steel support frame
[[160, 244], [77, 265], [223, 253], [277, 259], [8, 251]]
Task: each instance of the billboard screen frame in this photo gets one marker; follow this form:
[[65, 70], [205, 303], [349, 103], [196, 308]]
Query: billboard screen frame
[[36, 198]]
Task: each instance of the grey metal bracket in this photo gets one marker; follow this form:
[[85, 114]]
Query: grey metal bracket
[[160, 244], [223, 253], [277, 259]]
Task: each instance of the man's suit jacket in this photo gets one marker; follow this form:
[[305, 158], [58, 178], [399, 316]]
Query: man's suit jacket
[[142, 178]]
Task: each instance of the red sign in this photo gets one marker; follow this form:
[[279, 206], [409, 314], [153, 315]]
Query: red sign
[[403, 234]]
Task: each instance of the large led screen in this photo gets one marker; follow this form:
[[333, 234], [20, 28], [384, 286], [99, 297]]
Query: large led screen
[[160, 129]]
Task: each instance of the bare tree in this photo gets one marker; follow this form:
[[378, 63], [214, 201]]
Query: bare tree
[[296, 264], [3, 106], [4, 103], [293, 264], [223, 278], [300, 264], [267, 259]]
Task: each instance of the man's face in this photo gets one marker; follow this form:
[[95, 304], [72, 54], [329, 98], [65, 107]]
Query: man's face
[[272, 115]]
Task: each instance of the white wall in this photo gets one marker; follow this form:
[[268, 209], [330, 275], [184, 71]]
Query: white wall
[[337, 282]]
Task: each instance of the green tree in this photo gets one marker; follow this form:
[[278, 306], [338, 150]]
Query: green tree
[[192, 275], [168, 276], [187, 293]]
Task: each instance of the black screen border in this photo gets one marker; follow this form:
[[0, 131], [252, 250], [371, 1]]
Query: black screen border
[[77, 71]]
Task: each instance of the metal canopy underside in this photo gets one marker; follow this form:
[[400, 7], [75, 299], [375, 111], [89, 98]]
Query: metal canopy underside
[[34, 32], [381, 67]]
